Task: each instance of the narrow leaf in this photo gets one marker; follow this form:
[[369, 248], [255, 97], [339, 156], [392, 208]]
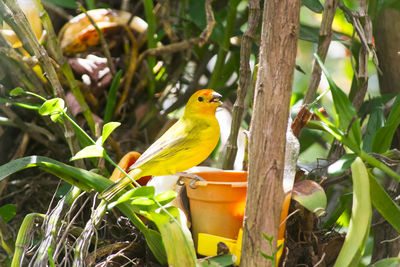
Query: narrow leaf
[[383, 203], [218, 261], [112, 97], [144, 191]]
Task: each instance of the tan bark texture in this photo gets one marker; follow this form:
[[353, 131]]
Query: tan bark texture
[[280, 27]]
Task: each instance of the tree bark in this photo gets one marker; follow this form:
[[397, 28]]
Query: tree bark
[[280, 27]]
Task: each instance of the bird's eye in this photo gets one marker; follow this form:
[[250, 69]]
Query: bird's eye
[[200, 99]]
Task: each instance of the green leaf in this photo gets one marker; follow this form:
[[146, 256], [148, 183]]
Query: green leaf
[[64, 3], [144, 204], [341, 165], [139, 192], [108, 128], [388, 262], [7, 212], [313, 5], [345, 112], [166, 197], [177, 238], [93, 151], [112, 97], [52, 106], [310, 195], [384, 136], [383, 203], [360, 220], [218, 261], [17, 91]]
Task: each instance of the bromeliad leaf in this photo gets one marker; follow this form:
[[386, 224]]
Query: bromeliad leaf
[[52, 106], [93, 151], [108, 128]]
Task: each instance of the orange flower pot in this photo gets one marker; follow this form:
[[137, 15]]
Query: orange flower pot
[[217, 204]]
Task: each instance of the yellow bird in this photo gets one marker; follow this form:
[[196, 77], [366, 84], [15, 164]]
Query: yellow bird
[[186, 144]]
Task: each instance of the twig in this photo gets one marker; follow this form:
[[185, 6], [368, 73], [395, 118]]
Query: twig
[[55, 50], [325, 37], [14, 17], [244, 83]]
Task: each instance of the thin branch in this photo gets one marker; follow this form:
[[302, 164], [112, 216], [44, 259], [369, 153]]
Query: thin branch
[[325, 38], [244, 83]]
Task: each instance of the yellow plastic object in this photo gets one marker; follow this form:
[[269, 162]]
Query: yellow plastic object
[[207, 245]]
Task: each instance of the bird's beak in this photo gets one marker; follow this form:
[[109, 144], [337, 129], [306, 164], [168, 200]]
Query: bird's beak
[[215, 98]]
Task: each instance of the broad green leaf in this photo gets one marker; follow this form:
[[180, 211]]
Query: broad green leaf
[[112, 97], [144, 204], [93, 151], [17, 91], [108, 128], [310, 195], [52, 106], [144, 191], [346, 115], [360, 221], [8, 211], [384, 204], [218, 261], [177, 238], [311, 34], [384, 136], [166, 197], [313, 5], [388, 262], [341, 165]]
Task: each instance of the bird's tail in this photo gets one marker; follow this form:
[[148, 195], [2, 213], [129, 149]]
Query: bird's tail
[[110, 192]]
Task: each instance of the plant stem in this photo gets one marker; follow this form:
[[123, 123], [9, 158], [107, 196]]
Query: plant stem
[[151, 42], [380, 165]]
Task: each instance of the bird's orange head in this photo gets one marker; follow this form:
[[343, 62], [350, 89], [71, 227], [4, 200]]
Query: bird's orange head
[[204, 101]]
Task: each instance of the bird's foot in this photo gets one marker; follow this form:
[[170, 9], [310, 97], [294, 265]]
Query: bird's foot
[[192, 176]]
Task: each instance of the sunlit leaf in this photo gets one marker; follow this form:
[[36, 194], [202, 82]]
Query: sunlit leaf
[[144, 204], [166, 197], [108, 128], [388, 262], [139, 192], [93, 151], [52, 106]]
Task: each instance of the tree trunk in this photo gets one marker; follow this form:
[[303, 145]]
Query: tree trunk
[[280, 27]]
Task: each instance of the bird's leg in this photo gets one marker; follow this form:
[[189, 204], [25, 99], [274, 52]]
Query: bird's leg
[[190, 176]]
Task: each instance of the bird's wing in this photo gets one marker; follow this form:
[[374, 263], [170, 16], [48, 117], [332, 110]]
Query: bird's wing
[[169, 143]]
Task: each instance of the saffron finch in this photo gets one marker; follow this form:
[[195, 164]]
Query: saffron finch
[[186, 144]]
